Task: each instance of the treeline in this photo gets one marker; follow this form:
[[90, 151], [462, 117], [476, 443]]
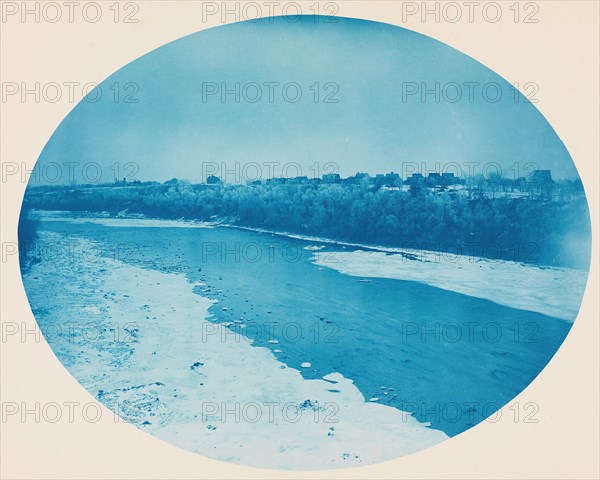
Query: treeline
[[532, 230]]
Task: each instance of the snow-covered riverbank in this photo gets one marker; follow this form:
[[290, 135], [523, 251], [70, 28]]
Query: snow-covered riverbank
[[196, 384], [119, 221], [551, 291]]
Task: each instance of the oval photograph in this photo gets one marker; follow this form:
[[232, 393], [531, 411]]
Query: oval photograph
[[305, 243]]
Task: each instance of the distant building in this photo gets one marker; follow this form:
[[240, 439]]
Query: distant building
[[541, 176], [276, 181], [540, 182], [392, 179], [415, 178], [359, 178], [331, 178], [449, 178], [434, 179], [298, 180]]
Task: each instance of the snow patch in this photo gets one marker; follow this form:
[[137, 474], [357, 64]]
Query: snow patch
[[556, 292]]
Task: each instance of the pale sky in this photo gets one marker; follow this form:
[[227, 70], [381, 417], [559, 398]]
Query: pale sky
[[177, 129]]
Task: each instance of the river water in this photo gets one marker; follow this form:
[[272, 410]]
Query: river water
[[449, 359]]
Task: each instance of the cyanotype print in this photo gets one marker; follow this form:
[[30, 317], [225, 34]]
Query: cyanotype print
[[305, 243]]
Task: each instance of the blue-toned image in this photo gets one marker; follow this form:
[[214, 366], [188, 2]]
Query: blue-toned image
[[306, 243]]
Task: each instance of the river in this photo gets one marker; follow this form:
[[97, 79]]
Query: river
[[449, 359]]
